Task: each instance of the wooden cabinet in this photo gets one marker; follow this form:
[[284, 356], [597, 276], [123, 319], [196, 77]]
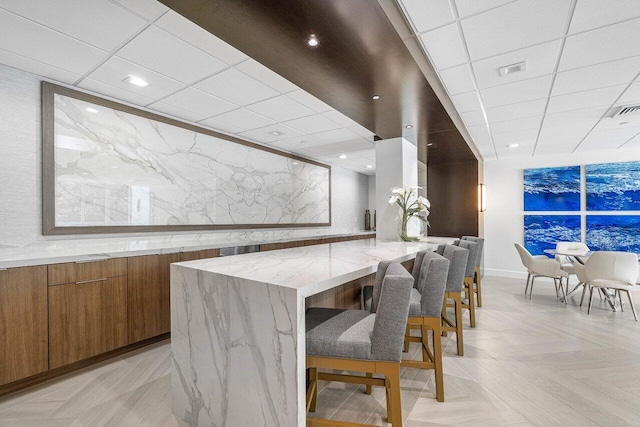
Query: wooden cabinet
[[148, 295], [23, 323], [203, 254], [88, 316]]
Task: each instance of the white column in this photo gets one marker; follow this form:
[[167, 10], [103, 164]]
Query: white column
[[396, 166]]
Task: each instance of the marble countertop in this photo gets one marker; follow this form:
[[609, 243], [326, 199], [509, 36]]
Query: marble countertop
[[59, 251], [311, 269]]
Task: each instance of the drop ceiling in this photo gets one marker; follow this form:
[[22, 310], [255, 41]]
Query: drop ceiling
[[582, 59], [194, 76]]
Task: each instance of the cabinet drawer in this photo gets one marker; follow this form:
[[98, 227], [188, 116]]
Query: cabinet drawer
[[86, 319], [72, 272], [203, 254]]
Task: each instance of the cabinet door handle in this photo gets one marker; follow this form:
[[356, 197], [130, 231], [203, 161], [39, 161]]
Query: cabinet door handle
[[93, 280]]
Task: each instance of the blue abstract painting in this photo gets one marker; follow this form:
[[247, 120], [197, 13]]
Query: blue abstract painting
[[613, 233], [544, 231], [613, 186], [552, 189]]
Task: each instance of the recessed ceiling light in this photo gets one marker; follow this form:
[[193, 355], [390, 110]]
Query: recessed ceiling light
[[91, 110], [294, 163], [276, 133], [376, 97], [136, 81], [369, 166], [513, 68], [409, 126], [514, 145], [313, 40], [342, 156]]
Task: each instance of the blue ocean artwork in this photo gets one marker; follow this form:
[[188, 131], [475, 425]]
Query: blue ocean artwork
[[613, 186], [613, 233], [544, 231], [552, 189]]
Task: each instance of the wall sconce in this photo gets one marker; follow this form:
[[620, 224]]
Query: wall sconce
[[482, 197]]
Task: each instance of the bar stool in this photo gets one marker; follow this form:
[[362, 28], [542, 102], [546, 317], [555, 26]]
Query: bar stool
[[355, 340], [477, 278], [425, 312], [457, 257], [473, 248]]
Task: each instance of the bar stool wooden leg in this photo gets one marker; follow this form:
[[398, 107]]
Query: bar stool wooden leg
[[394, 406], [407, 334], [312, 393], [468, 283], [457, 300], [478, 289], [368, 391]]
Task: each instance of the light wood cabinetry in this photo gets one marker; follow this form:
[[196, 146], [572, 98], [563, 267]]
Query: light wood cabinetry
[[87, 317], [203, 254], [23, 323], [148, 295]]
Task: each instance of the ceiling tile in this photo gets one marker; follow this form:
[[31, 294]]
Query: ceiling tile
[[162, 52], [444, 46], [236, 87], [472, 7], [256, 137], [340, 118], [176, 112], [286, 131], [576, 117], [116, 93], [23, 37], [587, 99], [313, 124], [97, 22], [601, 45], [516, 111], [148, 9], [244, 119], [282, 146], [527, 123], [219, 126], [631, 95], [632, 144], [601, 141], [362, 131], [465, 102], [590, 14], [309, 101], [593, 77], [196, 101], [115, 70], [457, 79], [339, 147], [302, 142], [427, 15], [35, 67], [480, 134], [195, 35], [515, 26], [522, 137], [512, 93], [280, 108], [473, 118], [265, 75], [540, 61], [619, 124], [337, 135]]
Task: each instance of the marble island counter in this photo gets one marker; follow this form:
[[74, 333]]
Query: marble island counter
[[100, 248], [238, 332]]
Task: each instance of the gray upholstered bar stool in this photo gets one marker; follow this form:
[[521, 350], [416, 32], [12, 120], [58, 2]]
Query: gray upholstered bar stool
[[457, 257], [477, 278], [473, 248], [356, 340], [425, 310]]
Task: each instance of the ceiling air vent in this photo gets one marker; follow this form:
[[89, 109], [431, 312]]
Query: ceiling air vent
[[630, 110]]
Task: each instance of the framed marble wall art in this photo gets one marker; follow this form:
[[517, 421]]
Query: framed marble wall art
[[110, 168], [613, 233], [613, 186], [544, 231], [552, 189]]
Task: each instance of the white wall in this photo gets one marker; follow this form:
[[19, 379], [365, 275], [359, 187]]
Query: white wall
[[21, 174], [504, 218]]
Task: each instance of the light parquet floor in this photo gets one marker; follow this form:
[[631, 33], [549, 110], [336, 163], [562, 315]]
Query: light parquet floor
[[528, 362]]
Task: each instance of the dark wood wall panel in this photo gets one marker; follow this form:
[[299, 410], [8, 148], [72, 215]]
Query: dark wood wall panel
[[452, 189]]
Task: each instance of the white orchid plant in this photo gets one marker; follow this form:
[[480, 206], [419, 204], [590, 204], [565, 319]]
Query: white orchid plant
[[411, 205]]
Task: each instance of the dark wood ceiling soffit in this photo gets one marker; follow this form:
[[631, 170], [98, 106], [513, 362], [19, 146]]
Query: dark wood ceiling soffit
[[360, 54]]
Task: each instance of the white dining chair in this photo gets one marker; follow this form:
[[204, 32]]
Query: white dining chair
[[541, 266], [610, 271], [575, 249]]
